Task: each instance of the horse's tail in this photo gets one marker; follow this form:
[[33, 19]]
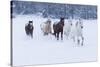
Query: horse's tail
[[54, 25]]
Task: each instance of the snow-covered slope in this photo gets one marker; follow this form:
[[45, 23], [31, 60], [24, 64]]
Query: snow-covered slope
[[46, 49]]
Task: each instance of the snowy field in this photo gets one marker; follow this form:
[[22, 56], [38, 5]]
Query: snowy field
[[46, 49]]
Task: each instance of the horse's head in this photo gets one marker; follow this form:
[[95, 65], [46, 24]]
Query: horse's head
[[79, 25], [30, 22], [62, 20], [49, 21], [70, 22]]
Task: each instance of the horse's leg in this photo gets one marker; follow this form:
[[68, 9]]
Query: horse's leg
[[57, 35], [62, 35], [44, 33], [27, 32], [78, 40], [82, 40], [73, 38], [32, 33], [66, 33]]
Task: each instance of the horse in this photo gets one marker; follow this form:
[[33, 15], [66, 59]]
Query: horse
[[46, 27], [29, 29], [58, 28], [78, 33], [67, 28]]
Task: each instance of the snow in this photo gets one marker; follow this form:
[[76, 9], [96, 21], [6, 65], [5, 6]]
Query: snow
[[46, 49]]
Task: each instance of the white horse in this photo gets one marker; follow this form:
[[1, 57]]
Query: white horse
[[77, 32], [67, 28], [46, 27]]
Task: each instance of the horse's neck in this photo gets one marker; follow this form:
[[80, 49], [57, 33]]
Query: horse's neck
[[79, 25], [29, 25], [62, 23]]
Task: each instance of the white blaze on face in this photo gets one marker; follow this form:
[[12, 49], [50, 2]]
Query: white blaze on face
[[31, 23]]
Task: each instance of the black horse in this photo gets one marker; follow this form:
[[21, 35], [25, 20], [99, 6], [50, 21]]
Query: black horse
[[29, 28], [58, 28]]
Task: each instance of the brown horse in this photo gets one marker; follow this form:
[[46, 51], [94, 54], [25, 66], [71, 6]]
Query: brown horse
[[58, 28]]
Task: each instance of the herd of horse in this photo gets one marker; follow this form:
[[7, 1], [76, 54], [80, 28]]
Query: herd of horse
[[70, 30]]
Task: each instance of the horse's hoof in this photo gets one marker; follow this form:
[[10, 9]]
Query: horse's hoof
[[61, 39], [81, 44]]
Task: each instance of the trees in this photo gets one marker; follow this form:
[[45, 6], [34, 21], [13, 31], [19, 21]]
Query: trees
[[54, 9]]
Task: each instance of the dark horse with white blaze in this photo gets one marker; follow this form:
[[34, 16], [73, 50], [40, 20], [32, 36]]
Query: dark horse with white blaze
[[29, 28], [58, 28]]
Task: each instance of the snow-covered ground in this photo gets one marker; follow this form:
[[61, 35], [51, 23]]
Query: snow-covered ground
[[46, 49]]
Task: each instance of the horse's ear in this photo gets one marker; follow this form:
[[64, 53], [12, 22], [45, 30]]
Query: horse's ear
[[30, 21], [62, 18]]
